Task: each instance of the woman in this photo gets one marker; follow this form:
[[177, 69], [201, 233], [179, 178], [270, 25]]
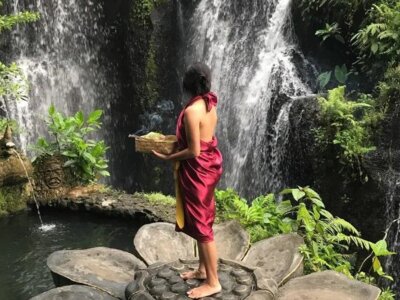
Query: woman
[[200, 168]]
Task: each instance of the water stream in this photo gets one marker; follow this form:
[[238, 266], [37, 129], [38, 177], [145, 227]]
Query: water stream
[[60, 55], [250, 48]]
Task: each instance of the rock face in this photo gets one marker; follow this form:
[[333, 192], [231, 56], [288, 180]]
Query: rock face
[[71, 292], [14, 171], [327, 285], [159, 242], [109, 270]]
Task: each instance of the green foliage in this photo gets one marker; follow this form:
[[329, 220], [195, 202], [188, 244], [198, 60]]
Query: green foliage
[[330, 30], [387, 294], [328, 239], [389, 88], [142, 9], [71, 139], [3, 124], [9, 21], [341, 75], [263, 218], [158, 198], [12, 82], [346, 124], [380, 38]]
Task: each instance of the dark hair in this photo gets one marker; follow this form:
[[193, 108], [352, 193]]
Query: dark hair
[[197, 79]]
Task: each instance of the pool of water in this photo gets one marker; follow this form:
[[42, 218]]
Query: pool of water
[[24, 247]]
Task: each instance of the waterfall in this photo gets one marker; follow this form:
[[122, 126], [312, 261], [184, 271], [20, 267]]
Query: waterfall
[[250, 47], [60, 55]]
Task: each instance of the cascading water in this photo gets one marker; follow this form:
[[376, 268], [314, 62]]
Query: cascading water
[[60, 57], [249, 46]]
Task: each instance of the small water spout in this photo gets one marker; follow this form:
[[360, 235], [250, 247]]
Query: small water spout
[[43, 227]]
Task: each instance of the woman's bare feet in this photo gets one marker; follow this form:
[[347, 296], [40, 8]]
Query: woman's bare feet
[[197, 274], [203, 291]]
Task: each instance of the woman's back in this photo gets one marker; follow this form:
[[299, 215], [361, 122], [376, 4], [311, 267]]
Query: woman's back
[[208, 120]]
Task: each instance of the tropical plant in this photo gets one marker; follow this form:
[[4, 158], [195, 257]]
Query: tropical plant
[[330, 30], [328, 240], [263, 218], [341, 75], [389, 88], [6, 122], [71, 139], [346, 124], [380, 38]]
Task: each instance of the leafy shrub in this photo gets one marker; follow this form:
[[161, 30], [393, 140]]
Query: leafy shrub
[[263, 218], [340, 73], [5, 122], [70, 138], [389, 88], [380, 38], [346, 124], [328, 239]]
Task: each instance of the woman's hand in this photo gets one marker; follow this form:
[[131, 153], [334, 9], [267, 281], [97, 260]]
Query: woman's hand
[[160, 155]]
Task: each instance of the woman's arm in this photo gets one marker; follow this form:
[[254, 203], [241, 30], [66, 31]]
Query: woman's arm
[[192, 128]]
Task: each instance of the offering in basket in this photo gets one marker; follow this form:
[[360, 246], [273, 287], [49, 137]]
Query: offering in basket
[[164, 144]]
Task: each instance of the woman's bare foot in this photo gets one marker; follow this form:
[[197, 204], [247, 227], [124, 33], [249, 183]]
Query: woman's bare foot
[[203, 291], [197, 274]]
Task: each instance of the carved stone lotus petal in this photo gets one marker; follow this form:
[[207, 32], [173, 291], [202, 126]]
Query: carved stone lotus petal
[[232, 240], [109, 270], [80, 292], [260, 295], [327, 285], [277, 257], [159, 242]]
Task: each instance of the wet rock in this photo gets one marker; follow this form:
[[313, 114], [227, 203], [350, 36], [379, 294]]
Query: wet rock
[[159, 242], [327, 285], [109, 270], [80, 292], [232, 240], [277, 257], [13, 170]]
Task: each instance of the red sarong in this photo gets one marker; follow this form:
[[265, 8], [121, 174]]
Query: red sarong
[[197, 179]]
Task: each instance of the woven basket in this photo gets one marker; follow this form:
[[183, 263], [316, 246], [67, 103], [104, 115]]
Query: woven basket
[[164, 145]]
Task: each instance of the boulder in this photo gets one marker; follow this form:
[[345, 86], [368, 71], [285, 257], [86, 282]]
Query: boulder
[[109, 270]]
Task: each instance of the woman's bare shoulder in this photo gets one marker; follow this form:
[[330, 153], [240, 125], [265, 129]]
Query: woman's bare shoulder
[[198, 106]]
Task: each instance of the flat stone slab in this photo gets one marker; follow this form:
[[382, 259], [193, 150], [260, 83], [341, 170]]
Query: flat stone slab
[[107, 269], [73, 292], [159, 242], [277, 257], [232, 240], [327, 285]]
